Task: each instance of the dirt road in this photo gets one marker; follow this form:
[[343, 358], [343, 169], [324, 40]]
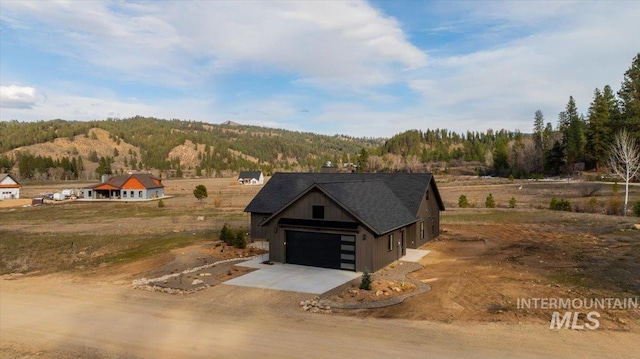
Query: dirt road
[[58, 316]]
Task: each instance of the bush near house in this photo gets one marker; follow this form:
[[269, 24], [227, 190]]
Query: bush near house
[[365, 284], [236, 238]]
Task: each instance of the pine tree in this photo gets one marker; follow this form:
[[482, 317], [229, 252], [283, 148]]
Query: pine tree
[[573, 140], [629, 95], [539, 139], [200, 192], [598, 130]]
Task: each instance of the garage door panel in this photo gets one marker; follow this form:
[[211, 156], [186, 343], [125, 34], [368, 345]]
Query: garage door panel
[[325, 250]]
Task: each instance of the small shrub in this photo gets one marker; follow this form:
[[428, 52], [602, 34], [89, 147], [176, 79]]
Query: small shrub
[[227, 235], [511, 178], [636, 209], [160, 204], [615, 206], [463, 202], [217, 202], [490, 202], [365, 284], [240, 241], [592, 205], [560, 205], [512, 202]]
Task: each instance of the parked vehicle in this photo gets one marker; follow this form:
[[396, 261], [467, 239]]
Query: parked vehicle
[[59, 197]]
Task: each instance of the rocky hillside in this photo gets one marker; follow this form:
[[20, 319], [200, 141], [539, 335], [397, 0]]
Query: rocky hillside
[[168, 148]]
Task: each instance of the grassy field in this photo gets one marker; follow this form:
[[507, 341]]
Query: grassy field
[[74, 235], [82, 235], [483, 261]]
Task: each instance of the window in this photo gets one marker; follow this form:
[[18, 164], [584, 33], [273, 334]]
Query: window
[[421, 230], [132, 195], [390, 242], [124, 194], [317, 212], [140, 194], [88, 193]]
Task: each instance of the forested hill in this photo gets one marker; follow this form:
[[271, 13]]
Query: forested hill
[[172, 147], [61, 149]]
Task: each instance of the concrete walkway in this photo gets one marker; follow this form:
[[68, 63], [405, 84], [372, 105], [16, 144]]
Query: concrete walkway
[[414, 255], [291, 277]]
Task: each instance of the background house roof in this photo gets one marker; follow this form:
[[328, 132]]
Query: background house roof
[[3, 176], [383, 201], [250, 174], [147, 180]]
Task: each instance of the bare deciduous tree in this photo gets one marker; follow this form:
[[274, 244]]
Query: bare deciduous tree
[[624, 161]]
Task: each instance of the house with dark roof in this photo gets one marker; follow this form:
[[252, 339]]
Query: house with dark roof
[[9, 187], [251, 177], [350, 221], [129, 187]]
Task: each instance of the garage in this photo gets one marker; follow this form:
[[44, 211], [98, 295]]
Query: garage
[[326, 250]]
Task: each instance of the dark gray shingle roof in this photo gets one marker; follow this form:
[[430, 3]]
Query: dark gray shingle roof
[[383, 201], [249, 174]]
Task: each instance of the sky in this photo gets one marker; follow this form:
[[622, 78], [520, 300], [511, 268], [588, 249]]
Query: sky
[[358, 68]]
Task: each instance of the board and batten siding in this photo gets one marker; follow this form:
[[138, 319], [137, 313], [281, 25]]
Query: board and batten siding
[[258, 231], [382, 256], [302, 209], [429, 213]]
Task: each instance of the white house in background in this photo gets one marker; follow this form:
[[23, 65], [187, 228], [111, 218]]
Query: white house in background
[[9, 187], [251, 177]]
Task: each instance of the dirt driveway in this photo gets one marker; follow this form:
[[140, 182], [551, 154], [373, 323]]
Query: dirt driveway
[[61, 317]]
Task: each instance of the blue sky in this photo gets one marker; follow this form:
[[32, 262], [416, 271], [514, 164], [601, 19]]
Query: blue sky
[[354, 67]]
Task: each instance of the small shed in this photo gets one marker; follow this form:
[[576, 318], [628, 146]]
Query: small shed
[[251, 177], [9, 187]]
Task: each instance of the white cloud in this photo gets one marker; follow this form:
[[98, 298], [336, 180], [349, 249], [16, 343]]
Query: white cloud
[[327, 43], [570, 49], [17, 97]]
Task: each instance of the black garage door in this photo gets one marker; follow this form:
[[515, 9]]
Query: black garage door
[[325, 250]]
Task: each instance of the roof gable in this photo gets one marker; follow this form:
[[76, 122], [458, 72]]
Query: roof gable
[[382, 202], [373, 203], [250, 174], [284, 187], [8, 180]]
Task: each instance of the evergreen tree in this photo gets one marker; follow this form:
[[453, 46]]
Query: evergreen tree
[[629, 95], [598, 130], [200, 192], [104, 167], [539, 139], [572, 128]]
